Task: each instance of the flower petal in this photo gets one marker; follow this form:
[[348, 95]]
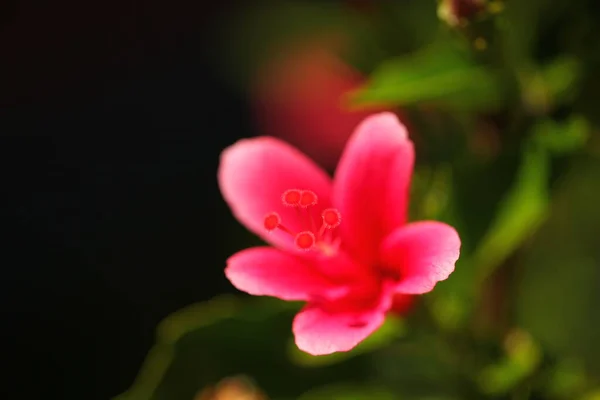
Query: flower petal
[[318, 331], [254, 173], [266, 271], [421, 254], [371, 184], [340, 324]]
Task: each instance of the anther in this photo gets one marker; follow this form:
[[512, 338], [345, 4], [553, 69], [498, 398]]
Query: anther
[[311, 237], [291, 198], [272, 221], [308, 198], [305, 240], [331, 218]]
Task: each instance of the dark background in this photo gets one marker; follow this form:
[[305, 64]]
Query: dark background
[[112, 119]]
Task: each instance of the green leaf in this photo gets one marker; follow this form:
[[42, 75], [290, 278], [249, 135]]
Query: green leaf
[[392, 329], [520, 211], [593, 395], [522, 358], [519, 215], [348, 392], [204, 343], [405, 26], [522, 23], [422, 365], [550, 86], [561, 77], [441, 74], [563, 138], [156, 374], [452, 300], [566, 379], [526, 204], [558, 296], [431, 191]]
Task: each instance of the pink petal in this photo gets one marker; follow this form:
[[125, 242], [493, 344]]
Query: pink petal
[[265, 271], [371, 184], [338, 266], [320, 332], [421, 254], [339, 325], [254, 173]]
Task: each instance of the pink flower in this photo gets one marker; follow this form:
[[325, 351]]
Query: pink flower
[[344, 245], [298, 95]]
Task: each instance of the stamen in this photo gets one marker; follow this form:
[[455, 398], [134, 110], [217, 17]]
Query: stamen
[[331, 218], [291, 198], [308, 198], [272, 221], [305, 240], [311, 237]]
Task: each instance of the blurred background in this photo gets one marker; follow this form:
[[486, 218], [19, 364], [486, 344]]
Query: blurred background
[[113, 115]]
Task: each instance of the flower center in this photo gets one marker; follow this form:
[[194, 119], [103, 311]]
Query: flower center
[[310, 237]]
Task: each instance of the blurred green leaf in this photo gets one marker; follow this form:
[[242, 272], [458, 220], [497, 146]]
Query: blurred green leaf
[[431, 190], [562, 138], [450, 305], [407, 25], [204, 343], [593, 395], [520, 212], [558, 296], [392, 329], [552, 85], [522, 23], [525, 206], [561, 77], [522, 357], [566, 379], [422, 366], [441, 74], [348, 392], [521, 28]]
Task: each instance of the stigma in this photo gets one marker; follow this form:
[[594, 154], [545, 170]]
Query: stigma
[[315, 235]]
